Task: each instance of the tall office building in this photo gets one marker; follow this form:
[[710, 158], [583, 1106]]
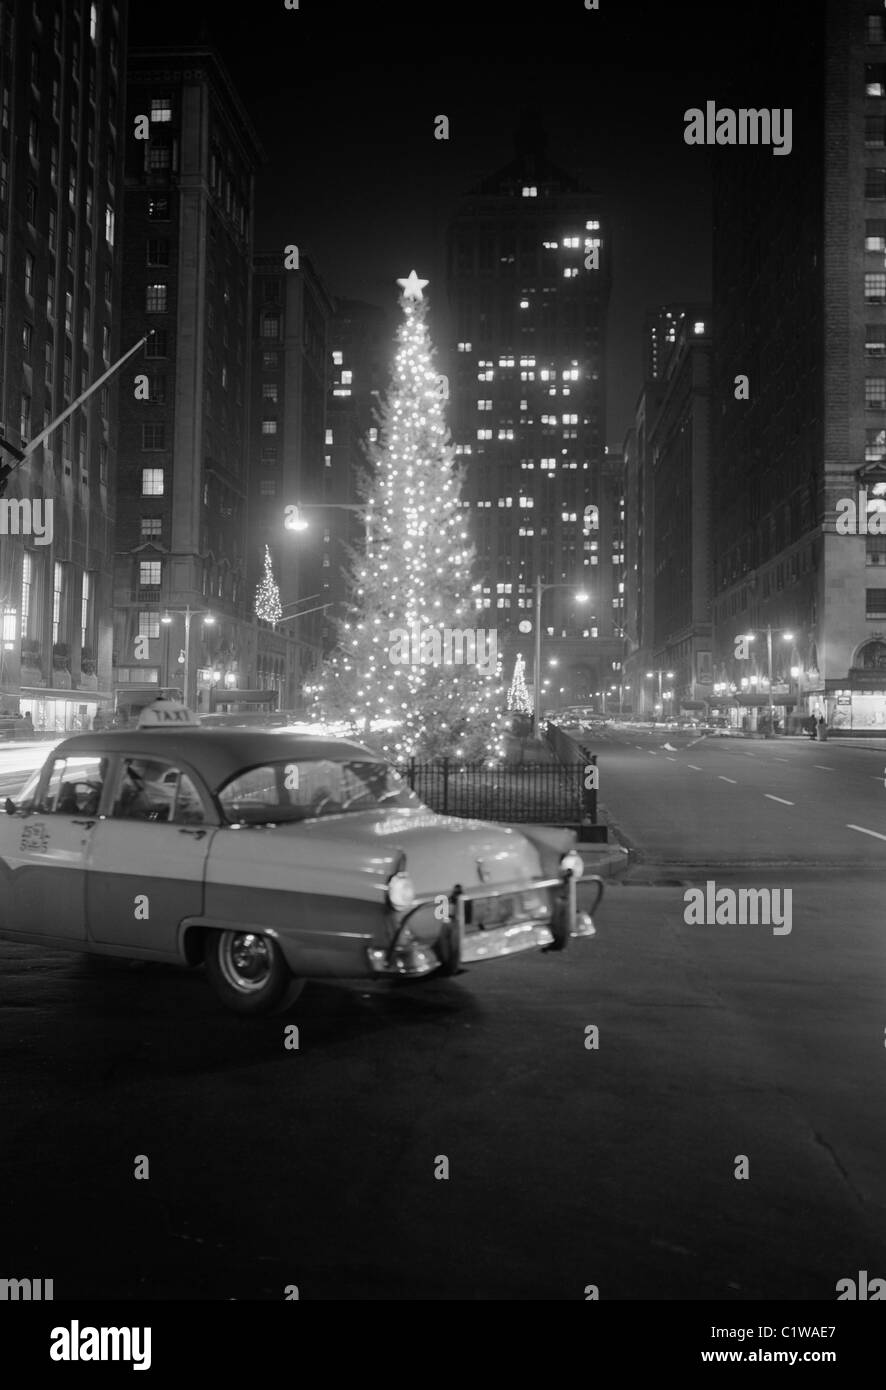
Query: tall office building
[[290, 359], [800, 310], [182, 487], [62, 134], [529, 278], [361, 347]]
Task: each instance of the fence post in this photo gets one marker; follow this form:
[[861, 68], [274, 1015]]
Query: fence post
[[589, 794], [411, 774], [445, 786]]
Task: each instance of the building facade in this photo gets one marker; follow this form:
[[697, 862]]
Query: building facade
[[290, 360], [528, 281], [62, 136], [800, 458], [182, 604]]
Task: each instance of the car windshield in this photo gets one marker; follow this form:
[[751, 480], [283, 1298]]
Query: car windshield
[[305, 789]]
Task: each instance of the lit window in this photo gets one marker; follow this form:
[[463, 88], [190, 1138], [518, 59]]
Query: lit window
[[524, 303], [465, 347], [270, 326], [149, 624], [572, 241], [484, 434], [161, 109], [550, 245], [875, 288], [346, 378], [269, 391], [156, 299], [151, 527], [698, 327], [373, 435], [57, 583], [152, 482], [337, 359], [109, 224], [269, 426], [530, 191], [149, 572], [93, 23], [570, 272], [329, 439], [484, 405], [875, 79]]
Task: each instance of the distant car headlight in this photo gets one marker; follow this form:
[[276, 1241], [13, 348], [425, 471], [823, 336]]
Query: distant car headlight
[[572, 860], [401, 892]]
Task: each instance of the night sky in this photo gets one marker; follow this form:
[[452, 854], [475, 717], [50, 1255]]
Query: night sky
[[344, 96]]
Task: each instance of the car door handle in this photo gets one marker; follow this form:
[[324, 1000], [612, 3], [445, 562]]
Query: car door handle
[[88, 824], [197, 834]]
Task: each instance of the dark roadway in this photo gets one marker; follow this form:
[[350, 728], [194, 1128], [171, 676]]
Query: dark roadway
[[568, 1166]]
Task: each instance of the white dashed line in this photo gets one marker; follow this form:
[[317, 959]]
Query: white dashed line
[[694, 768], [769, 797], [781, 760], [729, 779], [862, 831], [671, 760], [823, 768]]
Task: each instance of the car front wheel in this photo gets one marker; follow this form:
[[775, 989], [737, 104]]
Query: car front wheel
[[248, 973]]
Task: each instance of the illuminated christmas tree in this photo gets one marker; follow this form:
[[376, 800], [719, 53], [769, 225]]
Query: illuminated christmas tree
[[411, 672], [267, 596], [518, 695]]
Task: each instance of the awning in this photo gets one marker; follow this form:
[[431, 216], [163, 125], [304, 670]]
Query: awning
[[758, 701]]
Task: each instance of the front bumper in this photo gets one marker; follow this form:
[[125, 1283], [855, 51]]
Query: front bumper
[[457, 945]]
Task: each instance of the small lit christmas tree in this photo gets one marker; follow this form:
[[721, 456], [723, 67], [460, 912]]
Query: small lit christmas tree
[[415, 579], [268, 607], [518, 695]]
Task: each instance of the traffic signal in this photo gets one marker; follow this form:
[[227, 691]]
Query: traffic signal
[[5, 471]]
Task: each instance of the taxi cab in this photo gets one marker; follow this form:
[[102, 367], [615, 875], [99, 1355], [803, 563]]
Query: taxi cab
[[269, 857]]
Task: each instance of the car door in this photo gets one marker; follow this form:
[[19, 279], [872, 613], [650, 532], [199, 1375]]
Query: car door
[[48, 854], [147, 858]]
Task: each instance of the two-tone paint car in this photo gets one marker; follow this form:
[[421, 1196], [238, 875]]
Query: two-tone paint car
[[272, 858]]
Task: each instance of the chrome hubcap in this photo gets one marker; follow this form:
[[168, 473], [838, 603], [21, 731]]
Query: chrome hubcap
[[245, 960]]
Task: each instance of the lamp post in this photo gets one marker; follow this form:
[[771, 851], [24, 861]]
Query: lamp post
[[660, 671], [189, 613], [540, 589], [786, 636]]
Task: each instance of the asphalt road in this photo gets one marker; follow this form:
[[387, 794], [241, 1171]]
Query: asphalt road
[[568, 1166]]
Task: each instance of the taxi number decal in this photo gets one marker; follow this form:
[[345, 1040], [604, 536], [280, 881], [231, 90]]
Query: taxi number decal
[[35, 838]]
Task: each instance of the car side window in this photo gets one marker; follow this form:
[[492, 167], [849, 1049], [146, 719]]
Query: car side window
[[149, 789], [74, 787]]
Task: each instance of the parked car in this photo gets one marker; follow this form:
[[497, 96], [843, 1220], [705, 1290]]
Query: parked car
[[271, 857]]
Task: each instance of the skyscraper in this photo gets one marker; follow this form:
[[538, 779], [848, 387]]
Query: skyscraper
[[529, 277], [62, 84], [182, 488]]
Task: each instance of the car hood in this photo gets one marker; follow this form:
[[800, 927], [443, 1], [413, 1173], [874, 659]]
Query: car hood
[[440, 850]]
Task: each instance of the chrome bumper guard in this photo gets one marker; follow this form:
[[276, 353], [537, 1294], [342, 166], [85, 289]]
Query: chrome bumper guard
[[456, 946]]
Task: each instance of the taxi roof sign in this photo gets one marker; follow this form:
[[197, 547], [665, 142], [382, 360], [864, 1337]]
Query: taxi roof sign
[[168, 714]]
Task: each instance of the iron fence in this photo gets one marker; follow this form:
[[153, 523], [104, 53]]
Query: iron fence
[[545, 793]]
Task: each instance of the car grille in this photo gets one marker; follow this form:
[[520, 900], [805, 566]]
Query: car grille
[[484, 914]]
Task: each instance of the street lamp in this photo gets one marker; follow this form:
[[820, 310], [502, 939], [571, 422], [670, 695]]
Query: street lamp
[[189, 613], [294, 520], [659, 671], [539, 590], [786, 637]]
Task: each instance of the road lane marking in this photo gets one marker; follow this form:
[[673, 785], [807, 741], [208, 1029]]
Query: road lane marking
[[651, 753], [729, 779], [781, 760], [778, 798], [671, 760], [862, 831], [696, 769], [824, 768]]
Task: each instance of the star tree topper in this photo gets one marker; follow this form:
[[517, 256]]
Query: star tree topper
[[412, 287]]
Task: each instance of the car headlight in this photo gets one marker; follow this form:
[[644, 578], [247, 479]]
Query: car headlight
[[401, 891], [572, 860]]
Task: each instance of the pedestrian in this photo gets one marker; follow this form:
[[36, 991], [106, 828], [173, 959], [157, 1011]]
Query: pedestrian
[[98, 722], [822, 729], [811, 726]]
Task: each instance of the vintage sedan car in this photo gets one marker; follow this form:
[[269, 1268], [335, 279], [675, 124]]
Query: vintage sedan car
[[272, 858]]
